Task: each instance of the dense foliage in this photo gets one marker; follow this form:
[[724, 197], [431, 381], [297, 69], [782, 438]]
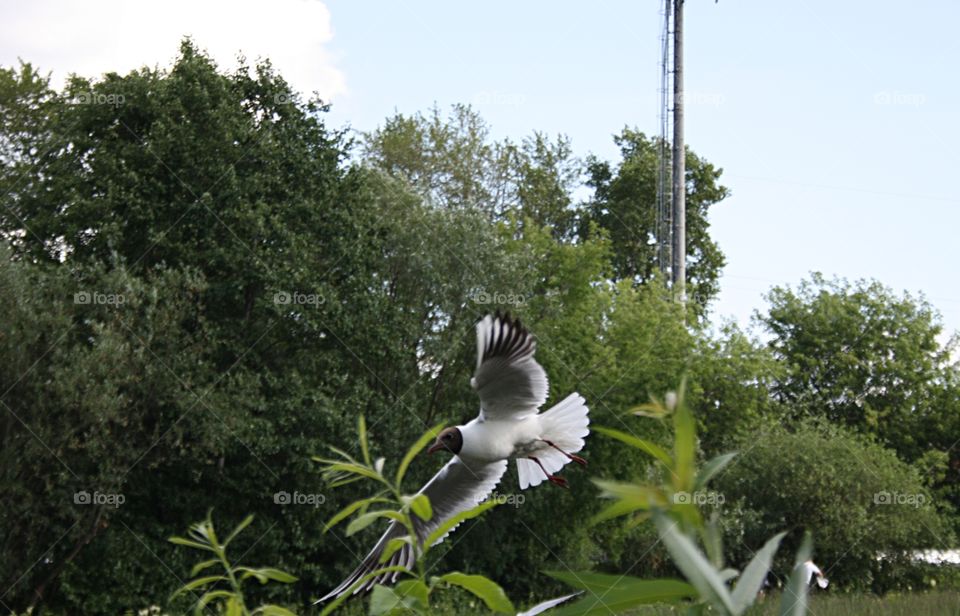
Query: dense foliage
[[203, 285]]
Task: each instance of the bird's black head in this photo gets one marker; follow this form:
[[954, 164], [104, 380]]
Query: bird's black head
[[449, 439]]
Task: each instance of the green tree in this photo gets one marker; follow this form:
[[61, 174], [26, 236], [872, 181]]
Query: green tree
[[220, 205], [624, 205], [859, 355], [732, 378], [452, 162]]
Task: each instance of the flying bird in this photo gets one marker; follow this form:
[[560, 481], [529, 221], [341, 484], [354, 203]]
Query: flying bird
[[512, 386]]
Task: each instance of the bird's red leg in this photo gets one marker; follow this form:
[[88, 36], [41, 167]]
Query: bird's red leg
[[554, 479], [573, 457]]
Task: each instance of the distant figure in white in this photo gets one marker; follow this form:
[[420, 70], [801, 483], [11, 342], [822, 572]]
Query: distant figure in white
[[810, 570], [512, 386]]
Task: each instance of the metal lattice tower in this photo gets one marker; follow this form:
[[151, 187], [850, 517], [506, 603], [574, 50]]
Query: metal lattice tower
[[664, 229]]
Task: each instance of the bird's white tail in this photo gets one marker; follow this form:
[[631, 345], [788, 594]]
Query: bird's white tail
[[564, 425]]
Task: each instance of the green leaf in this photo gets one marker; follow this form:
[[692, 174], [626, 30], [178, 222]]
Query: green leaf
[[711, 468], [404, 598], [713, 540], [349, 509], [362, 521], [631, 497], [197, 568], [487, 590], [414, 589], [392, 546], [653, 449], [211, 596], [752, 578], [448, 525], [383, 600], [422, 442], [652, 409], [694, 565], [420, 505], [616, 510], [793, 602], [684, 448], [607, 593], [267, 573], [190, 544], [354, 469], [197, 583], [362, 433], [234, 607], [273, 610], [236, 531]]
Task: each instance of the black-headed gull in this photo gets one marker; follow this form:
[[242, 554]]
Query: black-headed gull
[[512, 386]]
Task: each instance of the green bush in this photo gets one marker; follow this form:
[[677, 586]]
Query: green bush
[[858, 497]]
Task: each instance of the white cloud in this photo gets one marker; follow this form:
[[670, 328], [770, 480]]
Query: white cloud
[[91, 38]]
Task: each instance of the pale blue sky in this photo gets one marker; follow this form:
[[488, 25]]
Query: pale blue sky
[[836, 123]]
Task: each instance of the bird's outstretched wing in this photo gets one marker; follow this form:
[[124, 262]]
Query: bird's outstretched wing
[[457, 487], [508, 379]]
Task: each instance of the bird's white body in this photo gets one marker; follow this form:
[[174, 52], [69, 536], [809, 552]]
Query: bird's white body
[[500, 439]]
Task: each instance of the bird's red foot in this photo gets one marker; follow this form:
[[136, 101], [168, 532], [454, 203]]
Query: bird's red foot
[[578, 459], [558, 481]]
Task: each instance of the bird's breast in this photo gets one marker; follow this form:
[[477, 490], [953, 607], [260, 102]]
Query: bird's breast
[[490, 441]]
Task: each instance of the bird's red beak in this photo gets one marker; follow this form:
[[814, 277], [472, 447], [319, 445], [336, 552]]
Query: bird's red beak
[[435, 448]]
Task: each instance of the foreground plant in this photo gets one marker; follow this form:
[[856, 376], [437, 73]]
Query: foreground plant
[[673, 507], [229, 602], [413, 592]]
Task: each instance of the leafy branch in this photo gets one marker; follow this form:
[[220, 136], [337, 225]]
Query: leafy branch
[[202, 536]]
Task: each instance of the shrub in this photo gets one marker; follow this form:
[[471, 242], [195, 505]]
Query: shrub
[[860, 498]]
